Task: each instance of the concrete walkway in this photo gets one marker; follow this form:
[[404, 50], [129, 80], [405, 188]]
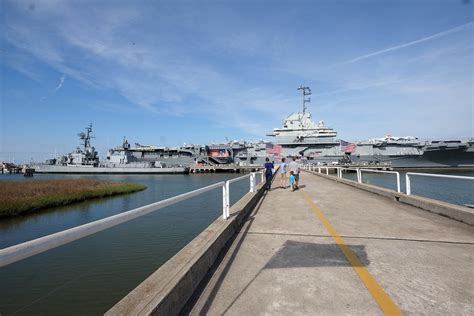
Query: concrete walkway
[[285, 260]]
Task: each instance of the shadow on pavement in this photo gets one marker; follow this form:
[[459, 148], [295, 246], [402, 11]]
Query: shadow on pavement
[[296, 254]]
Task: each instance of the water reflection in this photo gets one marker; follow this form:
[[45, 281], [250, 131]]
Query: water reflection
[[89, 275]]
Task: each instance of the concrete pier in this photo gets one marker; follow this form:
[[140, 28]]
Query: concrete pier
[[332, 249]]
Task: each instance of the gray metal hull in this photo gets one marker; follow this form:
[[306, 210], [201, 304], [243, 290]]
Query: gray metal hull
[[439, 158], [436, 158], [104, 170]]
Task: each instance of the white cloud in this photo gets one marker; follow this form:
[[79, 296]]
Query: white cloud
[[60, 84], [463, 27], [167, 63]]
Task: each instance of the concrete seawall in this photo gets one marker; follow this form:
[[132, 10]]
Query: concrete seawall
[[453, 211], [168, 289]]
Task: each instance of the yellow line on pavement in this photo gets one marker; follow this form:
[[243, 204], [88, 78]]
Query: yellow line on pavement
[[383, 300]]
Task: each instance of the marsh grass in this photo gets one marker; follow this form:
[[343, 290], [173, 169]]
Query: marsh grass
[[21, 197]]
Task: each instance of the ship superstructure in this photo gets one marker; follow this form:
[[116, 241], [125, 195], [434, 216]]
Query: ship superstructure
[[300, 136], [85, 156]]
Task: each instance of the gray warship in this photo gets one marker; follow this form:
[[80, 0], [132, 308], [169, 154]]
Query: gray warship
[[316, 143], [186, 155], [85, 160], [410, 152]]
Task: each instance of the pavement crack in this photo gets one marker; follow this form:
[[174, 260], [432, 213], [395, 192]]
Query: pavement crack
[[363, 237]]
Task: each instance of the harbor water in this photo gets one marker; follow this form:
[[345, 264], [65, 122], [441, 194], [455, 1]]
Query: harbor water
[[456, 191], [90, 275]]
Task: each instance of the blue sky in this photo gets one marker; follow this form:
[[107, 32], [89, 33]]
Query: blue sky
[[169, 72]]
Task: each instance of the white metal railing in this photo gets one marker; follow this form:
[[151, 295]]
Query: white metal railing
[[311, 167], [408, 174], [30, 248], [381, 171], [327, 170], [359, 173], [226, 190], [357, 170]]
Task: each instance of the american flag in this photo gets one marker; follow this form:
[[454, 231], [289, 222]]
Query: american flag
[[218, 153], [273, 149], [348, 147]]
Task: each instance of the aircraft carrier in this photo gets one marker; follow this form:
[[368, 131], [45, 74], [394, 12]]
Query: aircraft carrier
[[315, 142]]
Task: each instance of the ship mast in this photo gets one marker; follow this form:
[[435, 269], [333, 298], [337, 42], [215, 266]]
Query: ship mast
[[306, 91], [86, 137]]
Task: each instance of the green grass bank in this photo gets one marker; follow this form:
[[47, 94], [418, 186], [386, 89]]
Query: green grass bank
[[23, 197]]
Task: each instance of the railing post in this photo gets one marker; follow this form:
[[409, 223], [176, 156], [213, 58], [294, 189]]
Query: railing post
[[407, 179], [327, 170], [398, 182], [224, 200], [359, 175], [252, 182], [319, 169], [227, 204], [262, 174]]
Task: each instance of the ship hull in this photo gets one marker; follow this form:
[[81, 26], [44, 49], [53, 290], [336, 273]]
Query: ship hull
[[428, 159], [438, 158], [108, 170]]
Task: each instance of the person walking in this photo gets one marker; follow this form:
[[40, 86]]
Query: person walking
[[282, 172], [295, 168], [268, 173], [292, 181]]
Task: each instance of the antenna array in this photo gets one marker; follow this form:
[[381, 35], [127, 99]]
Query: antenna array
[[306, 92]]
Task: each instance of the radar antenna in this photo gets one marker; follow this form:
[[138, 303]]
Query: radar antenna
[[306, 91]]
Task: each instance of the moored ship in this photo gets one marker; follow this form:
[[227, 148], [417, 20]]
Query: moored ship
[[85, 160], [409, 152], [300, 136]]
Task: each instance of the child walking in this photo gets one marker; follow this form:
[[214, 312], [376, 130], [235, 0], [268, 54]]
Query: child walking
[[292, 181]]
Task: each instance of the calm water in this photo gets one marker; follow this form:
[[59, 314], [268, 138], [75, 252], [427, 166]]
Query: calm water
[[454, 191], [90, 275]]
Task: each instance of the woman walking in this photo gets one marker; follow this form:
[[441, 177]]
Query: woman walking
[[282, 171]]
